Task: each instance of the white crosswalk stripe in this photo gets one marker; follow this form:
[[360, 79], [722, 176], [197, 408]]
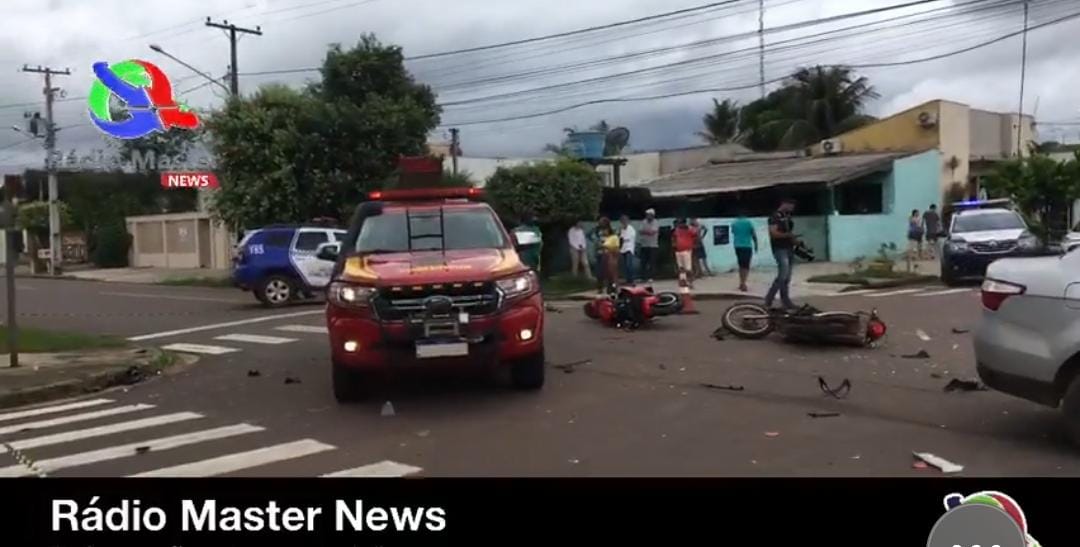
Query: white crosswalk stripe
[[130, 450], [100, 431], [241, 460], [42, 424], [385, 468], [199, 348], [254, 339], [942, 293], [311, 329], [51, 409]]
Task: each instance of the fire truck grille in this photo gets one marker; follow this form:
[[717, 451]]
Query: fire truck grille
[[398, 303]]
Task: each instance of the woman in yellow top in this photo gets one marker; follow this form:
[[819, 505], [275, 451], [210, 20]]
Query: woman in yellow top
[[611, 244]]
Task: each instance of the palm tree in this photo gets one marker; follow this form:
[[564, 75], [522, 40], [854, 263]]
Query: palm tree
[[722, 124], [831, 100]]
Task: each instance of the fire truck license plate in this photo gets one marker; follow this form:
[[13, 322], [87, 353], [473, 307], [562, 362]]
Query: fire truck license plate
[[429, 350]]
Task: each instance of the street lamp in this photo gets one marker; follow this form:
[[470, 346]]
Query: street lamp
[[158, 49]]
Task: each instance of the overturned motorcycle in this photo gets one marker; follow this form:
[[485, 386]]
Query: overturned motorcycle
[[806, 324], [632, 307]]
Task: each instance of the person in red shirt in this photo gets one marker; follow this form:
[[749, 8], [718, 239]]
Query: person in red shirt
[[684, 239]]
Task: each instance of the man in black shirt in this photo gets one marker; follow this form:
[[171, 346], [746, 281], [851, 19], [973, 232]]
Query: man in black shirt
[[782, 240]]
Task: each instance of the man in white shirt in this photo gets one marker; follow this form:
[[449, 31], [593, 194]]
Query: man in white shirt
[[628, 237], [578, 256]]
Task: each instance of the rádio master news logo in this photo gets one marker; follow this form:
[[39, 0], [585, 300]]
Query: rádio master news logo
[[985, 519], [147, 97]]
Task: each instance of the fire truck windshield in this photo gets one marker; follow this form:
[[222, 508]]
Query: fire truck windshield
[[430, 230]]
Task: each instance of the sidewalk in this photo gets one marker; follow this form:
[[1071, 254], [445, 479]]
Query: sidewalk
[[45, 376], [726, 284], [134, 275]]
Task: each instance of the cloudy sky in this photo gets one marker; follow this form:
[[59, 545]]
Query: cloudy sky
[[706, 49]]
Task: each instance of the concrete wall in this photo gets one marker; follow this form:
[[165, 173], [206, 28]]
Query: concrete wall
[[900, 132], [911, 185], [639, 168], [673, 161], [179, 241], [956, 141]]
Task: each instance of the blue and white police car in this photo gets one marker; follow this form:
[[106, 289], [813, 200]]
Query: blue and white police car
[[278, 264]]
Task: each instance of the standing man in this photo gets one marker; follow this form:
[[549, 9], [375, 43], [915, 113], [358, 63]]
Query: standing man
[[744, 239], [578, 257], [531, 255], [650, 245], [628, 236], [599, 235], [701, 262], [932, 225], [782, 239], [682, 240]]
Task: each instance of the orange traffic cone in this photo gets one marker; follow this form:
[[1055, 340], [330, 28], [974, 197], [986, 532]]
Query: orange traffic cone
[[686, 295]]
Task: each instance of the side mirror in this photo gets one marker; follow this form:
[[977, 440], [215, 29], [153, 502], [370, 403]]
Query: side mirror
[[525, 239], [328, 251]]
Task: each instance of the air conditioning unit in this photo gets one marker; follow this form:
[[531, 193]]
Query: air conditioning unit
[[927, 120], [832, 146]]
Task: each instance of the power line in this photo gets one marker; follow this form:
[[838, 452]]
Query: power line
[[670, 65], [751, 86], [574, 32]]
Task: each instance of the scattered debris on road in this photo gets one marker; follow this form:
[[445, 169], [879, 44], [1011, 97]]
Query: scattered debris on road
[[662, 366], [569, 367], [724, 388], [922, 335], [387, 409], [921, 354], [958, 330], [937, 375], [920, 465], [719, 333], [841, 392], [142, 449], [423, 433], [254, 373], [823, 414], [683, 369], [772, 434], [957, 384], [941, 463], [552, 309], [857, 457], [290, 379], [573, 461]]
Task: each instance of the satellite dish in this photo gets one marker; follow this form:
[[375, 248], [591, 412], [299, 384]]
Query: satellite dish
[[617, 138]]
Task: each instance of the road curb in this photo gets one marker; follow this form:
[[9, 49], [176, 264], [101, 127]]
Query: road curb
[[121, 375]]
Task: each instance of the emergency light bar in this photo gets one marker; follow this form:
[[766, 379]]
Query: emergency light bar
[[416, 194], [976, 203]]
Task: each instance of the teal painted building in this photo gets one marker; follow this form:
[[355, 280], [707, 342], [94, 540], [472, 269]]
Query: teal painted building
[[849, 205]]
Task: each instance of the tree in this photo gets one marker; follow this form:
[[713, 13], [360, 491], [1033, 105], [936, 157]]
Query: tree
[[558, 193], [610, 148], [815, 103], [34, 218], [1039, 186], [286, 155], [722, 124]]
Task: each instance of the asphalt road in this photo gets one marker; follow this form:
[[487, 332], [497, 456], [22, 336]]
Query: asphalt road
[[635, 407]]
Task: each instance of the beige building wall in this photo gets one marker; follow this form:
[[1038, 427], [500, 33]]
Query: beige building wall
[[673, 161], [954, 142], [179, 240]]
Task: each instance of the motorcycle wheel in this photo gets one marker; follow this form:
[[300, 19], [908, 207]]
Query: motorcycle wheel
[[746, 320], [667, 303]]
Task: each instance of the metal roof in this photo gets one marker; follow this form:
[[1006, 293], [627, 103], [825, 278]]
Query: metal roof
[[753, 174]]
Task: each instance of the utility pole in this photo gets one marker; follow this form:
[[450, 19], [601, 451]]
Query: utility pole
[[7, 220], [56, 251], [1023, 78], [761, 47], [234, 83], [454, 141]]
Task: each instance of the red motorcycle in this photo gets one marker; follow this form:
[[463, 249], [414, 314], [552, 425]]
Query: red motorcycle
[[632, 307], [806, 324]]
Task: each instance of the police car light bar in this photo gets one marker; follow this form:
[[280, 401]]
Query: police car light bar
[[972, 203], [425, 194]]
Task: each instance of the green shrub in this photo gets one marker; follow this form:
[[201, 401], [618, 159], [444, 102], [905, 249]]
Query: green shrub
[[112, 245]]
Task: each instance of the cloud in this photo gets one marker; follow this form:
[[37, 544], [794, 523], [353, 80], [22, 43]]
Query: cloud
[[75, 33]]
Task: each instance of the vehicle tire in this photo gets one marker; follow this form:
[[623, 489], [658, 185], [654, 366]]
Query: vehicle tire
[[348, 384], [667, 303], [738, 326], [528, 373], [276, 291], [947, 276]]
